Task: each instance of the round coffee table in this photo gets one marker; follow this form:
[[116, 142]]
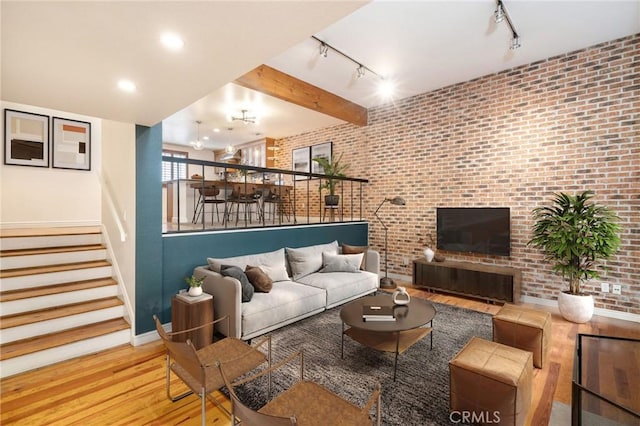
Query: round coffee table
[[389, 336]]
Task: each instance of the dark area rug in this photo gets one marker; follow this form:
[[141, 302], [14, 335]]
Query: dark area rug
[[420, 393]]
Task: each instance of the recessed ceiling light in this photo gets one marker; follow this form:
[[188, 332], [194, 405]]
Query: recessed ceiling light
[[216, 130], [127, 86], [205, 138], [172, 41]]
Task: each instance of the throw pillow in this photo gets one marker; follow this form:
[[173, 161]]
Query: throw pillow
[[307, 260], [272, 263], [261, 281], [349, 249], [237, 273], [341, 262]]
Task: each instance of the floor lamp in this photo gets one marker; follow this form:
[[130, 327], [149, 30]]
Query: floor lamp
[[387, 282]]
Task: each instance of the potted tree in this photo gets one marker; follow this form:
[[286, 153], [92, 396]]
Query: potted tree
[[575, 234], [332, 168]]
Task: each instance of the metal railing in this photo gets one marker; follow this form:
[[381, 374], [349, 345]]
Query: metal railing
[[217, 196]]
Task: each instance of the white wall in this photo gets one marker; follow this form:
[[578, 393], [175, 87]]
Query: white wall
[[38, 196], [119, 175]]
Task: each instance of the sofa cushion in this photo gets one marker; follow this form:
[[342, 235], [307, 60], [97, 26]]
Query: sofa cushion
[[285, 302], [307, 260], [272, 263], [341, 262], [260, 281], [349, 249], [342, 286], [237, 273]]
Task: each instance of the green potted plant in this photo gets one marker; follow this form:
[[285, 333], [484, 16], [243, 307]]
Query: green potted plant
[[575, 235], [332, 168], [195, 285]]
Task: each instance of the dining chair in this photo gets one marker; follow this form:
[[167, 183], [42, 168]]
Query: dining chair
[[305, 403], [245, 196], [197, 368], [208, 195]]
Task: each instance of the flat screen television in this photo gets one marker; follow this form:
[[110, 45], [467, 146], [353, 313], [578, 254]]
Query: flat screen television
[[485, 230]]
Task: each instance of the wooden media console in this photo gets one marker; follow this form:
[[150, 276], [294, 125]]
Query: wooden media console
[[488, 282]]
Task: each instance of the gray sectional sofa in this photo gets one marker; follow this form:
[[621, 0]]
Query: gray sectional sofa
[[306, 281]]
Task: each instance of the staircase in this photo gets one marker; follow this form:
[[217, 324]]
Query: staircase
[[58, 299]]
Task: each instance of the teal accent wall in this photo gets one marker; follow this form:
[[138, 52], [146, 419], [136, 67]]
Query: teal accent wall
[[149, 292], [182, 253], [163, 262]]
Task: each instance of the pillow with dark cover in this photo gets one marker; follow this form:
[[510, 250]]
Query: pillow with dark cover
[[260, 280], [237, 273], [349, 249]]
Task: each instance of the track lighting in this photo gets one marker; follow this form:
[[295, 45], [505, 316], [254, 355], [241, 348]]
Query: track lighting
[[385, 86], [515, 42], [324, 49], [500, 14]]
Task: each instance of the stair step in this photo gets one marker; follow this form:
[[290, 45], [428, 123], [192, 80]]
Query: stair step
[[66, 352], [21, 272], [50, 250], [48, 232], [9, 296], [40, 241], [32, 317], [35, 344]]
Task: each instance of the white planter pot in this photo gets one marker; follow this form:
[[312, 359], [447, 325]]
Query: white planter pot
[[195, 291], [576, 308]]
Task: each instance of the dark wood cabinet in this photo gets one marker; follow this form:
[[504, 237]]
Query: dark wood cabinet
[[488, 282], [187, 314]]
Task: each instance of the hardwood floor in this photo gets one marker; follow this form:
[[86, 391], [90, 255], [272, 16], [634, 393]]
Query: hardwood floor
[[126, 385]]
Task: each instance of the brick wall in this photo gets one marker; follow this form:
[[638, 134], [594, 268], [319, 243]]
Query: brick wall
[[511, 139]]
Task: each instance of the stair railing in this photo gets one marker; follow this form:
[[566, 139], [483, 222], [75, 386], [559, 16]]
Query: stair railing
[[113, 209]]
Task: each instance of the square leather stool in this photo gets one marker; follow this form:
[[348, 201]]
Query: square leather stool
[[523, 328], [490, 383]]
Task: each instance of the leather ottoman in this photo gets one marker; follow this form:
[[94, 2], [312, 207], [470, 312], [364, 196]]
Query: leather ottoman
[[490, 383], [523, 328]]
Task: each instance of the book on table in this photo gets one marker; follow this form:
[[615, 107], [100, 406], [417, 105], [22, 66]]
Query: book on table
[[377, 313]]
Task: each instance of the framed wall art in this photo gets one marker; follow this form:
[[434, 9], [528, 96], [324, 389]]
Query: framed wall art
[[71, 144], [323, 150], [301, 161], [26, 138]]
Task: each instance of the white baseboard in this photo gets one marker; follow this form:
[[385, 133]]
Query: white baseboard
[[149, 336], [626, 316]]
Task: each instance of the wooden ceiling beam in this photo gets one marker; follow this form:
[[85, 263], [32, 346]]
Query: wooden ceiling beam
[[275, 83]]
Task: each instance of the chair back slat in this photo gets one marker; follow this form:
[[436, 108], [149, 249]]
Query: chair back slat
[[182, 353]]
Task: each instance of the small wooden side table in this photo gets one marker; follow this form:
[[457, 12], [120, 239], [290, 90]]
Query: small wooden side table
[[189, 312]]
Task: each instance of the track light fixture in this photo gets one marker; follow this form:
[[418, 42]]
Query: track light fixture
[[385, 85], [324, 50], [500, 14], [325, 47]]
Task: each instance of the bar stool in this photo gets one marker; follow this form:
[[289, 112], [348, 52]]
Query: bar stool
[[208, 195]]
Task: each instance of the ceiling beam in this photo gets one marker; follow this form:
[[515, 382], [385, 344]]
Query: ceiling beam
[[275, 83]]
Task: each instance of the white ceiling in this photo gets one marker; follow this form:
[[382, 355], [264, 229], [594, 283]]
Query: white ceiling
[[69, 55], [56, 53]]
